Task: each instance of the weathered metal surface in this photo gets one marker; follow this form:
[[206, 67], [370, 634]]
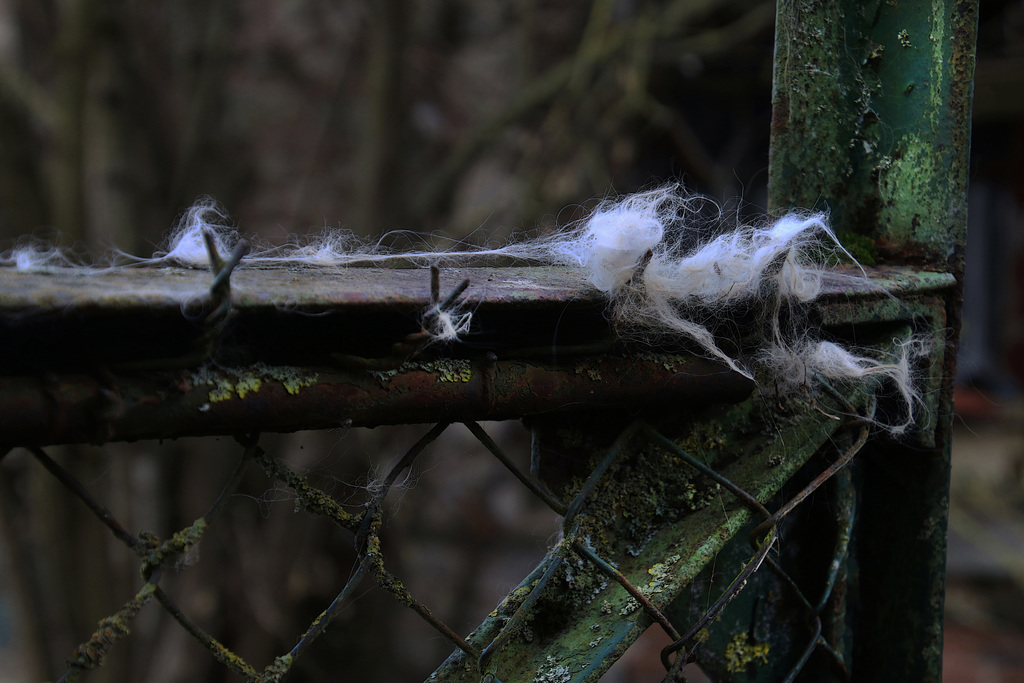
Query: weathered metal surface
[[101, 364], [68, 321], [280, 316], [660, 524], [758, 445], [155, 291], [74, 408], [871, 119]]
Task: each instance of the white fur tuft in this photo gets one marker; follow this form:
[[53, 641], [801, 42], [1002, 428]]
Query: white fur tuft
[[186, 245], [617, 237]]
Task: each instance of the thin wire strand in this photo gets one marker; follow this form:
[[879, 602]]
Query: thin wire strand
[[219, 651], [768, 526], [749, 500], [373, 506], [484, 438], [730, 592], [98, 509], [645, 602], [320, 624]]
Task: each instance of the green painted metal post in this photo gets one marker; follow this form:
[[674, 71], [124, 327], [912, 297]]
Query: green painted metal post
[[871, 120]]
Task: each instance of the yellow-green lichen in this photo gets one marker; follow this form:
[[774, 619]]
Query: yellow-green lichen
[[449, 369], [742, 652], [664, 580], [110, 630], [278, 669], [240, 382], [663, 576], [248, 383], [291, 378], [703, 438], [515, 597], [222, 391], [671, 362], [593, 373]]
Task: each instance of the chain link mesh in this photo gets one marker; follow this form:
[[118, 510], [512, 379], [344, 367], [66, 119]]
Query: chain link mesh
[[364, 524]]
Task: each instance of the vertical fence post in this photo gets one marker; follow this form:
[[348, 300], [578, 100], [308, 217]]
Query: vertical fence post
[[871, 121]]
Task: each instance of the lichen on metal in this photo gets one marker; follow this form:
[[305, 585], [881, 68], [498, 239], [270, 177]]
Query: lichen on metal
[[871, 120], [871, 112], [642, 521], [230, 382]]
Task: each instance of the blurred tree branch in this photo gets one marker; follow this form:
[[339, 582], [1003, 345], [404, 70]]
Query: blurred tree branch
[[23, 91], [385, 113], [205, 104], [73, 51], [601, 42]]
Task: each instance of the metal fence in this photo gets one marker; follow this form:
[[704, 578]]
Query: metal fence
[[674, 478], [649, 492]]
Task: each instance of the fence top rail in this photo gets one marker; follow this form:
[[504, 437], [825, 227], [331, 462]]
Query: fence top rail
[[156, 290]]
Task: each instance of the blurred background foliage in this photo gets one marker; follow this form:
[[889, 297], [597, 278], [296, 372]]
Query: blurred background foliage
[[445, 115]]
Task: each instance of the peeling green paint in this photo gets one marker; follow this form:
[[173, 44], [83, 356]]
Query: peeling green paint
[[888, 86], [871, 112]]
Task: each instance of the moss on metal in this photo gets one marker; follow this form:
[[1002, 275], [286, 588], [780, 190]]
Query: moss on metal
[[658, 523], [871, 111]]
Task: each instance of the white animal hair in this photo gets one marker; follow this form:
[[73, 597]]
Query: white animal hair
[[35, 254], [640, 253], [824, 360], [649, 253], [186, 246]]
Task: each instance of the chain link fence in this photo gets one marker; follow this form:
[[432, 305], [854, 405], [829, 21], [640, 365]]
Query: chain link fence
[[615, 499]]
